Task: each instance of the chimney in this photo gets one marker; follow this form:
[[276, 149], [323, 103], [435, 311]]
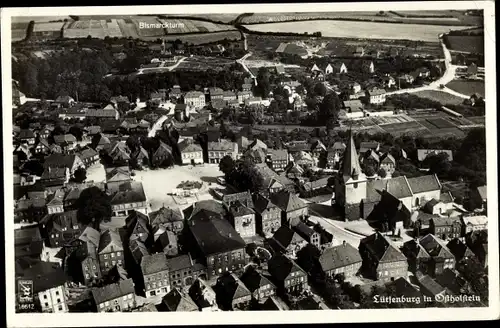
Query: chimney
[[230, 235], [343, 243]]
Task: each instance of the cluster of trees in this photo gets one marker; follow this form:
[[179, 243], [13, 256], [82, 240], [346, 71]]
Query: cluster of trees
[[79, 73], [242, 174], [94, 206], [67, 73]]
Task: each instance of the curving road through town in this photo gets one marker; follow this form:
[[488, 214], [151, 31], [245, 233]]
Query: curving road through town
[[448, 76], [157, 126]]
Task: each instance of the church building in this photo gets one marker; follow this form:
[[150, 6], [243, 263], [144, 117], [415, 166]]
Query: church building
[[357, 195]]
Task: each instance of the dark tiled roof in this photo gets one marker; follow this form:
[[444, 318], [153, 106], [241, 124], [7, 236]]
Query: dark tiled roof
[[262, 203], [304, 230], [382, 248], [187, 146], [26, 235], [280, 267], [155, 263], [444, 221], [215, 235], [121, 173], [87, 153], [238, 209], [110, 238], [435, 247], [339, 256], [138, 250], [232, 287], [287, 201], [459, 249], [180, 262], [59, 221], [26, 134], [278, 154], [404, 288], [412, 248], [54, 173], [179, 301], [59, 160], [244, 198], [64, 138], [285, 236], [429, 284], [253, 280], [424, 183], [165, 215], [206, 208], [113, 291]]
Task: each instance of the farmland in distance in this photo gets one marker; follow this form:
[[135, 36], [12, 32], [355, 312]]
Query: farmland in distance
[[360, 30]]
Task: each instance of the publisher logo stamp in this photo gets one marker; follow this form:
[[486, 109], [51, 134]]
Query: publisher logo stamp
[[25, 288]]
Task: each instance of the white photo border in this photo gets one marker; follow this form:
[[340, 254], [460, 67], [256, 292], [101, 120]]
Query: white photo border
[[261, 317]]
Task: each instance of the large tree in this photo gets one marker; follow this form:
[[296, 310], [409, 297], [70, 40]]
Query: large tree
[[80, 175], [226, 165], [93, 207], [329, 110]]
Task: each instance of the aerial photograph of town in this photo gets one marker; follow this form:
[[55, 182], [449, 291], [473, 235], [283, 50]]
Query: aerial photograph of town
[[249, 161]]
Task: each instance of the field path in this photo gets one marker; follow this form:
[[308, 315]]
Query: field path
[[161, 68], [241, 61]]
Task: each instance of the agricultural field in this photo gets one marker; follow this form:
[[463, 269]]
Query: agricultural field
[[203, 38], [148, 32], [222, 18], [417, 17], [437, 124], [467, 87], [440, 96], [180, 26], [47, 27], [359, 30], [466, 43], [95, 28], [406, 128], [128, 28]]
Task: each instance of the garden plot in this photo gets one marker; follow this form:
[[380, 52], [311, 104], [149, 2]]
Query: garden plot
[[405, 128]]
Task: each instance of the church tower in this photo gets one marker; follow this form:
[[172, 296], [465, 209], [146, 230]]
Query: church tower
[[350, 188]]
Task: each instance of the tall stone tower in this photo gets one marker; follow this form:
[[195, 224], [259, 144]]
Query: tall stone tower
[[350, 187]]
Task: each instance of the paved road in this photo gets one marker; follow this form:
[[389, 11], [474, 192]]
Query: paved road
[[447, 77], [157, 126], [241, 61]]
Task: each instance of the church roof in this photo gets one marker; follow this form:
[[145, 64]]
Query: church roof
[[351, 165]]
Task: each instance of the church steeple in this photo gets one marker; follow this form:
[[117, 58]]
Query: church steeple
[[351, 167]]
